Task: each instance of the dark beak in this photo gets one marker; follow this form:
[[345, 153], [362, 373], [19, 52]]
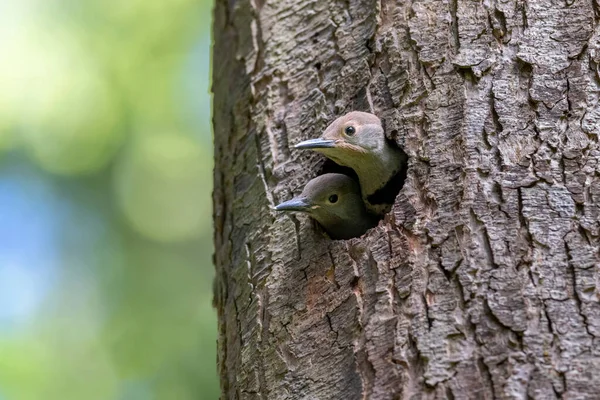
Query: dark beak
[[297, 204], [316, 144]]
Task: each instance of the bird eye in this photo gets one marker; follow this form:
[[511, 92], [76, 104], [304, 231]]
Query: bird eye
[[333, 198], [350, 130]]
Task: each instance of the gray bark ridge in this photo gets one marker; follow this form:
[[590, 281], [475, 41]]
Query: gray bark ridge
[[484, 280]]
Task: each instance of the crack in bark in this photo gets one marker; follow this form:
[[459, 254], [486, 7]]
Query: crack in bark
[[454, 24], [478, 227], [573, 283], [261, 171]]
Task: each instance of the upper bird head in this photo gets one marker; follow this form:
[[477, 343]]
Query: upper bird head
[[335, 201], [357, 140], [349, 138]]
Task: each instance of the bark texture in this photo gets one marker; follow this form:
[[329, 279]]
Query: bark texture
[[484, 280]]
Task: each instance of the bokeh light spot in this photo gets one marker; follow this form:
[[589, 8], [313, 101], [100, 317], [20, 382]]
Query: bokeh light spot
[[162, 187], [71, 119]]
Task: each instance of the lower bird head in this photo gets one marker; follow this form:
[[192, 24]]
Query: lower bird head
[[335, 202]]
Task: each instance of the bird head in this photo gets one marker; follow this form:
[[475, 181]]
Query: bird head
[[349, 138], [335, 201]]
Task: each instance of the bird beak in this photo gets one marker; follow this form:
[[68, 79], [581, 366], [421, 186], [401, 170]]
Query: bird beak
[[316, 144], [297, 204]]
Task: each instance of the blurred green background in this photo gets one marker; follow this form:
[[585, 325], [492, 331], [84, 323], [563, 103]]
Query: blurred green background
[[105, 200]]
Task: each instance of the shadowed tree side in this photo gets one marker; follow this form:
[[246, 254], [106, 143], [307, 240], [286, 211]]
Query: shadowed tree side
[[483, 281]]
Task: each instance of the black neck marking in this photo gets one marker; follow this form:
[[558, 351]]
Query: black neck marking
[[387, 194]]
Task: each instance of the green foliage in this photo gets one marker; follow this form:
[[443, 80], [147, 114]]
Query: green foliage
[[96, 98]]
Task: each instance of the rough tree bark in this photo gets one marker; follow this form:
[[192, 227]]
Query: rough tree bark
[[484, 280]]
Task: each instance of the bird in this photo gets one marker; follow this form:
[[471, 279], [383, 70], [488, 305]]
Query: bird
[[335, 202], [357, 140]]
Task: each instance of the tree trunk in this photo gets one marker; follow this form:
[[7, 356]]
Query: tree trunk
[[484, 280]]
